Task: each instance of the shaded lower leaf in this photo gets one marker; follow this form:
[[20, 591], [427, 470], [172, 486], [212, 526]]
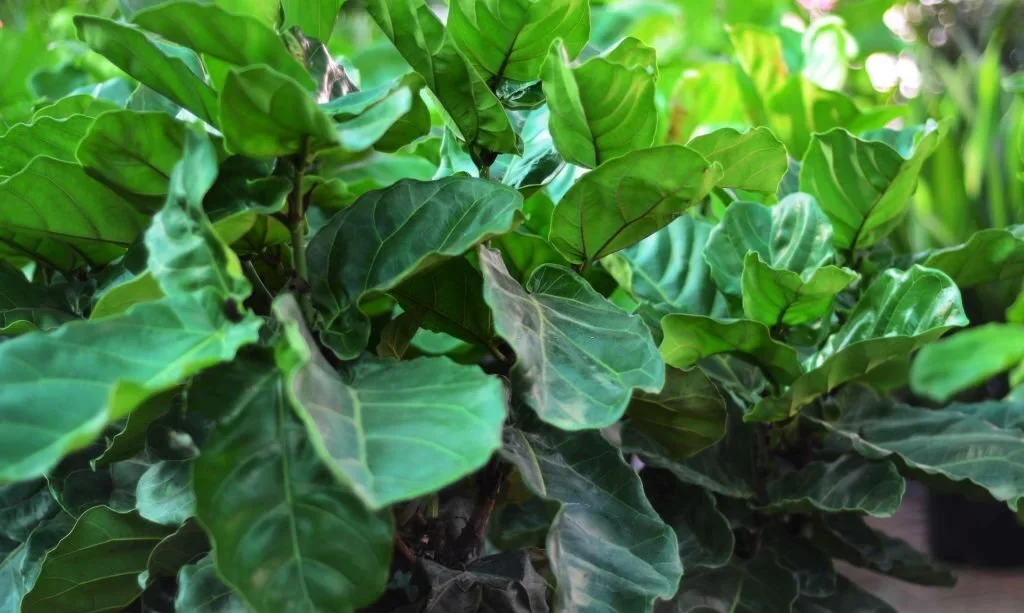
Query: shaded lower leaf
[[847, 484], [20, 568], [200, 590], [94, 567], [186, 544], [451, 296], [164, 493], [505, 582], [812, 567], [608, 548], [23, 506], [755, 586], [848, 598], [940, 372], [132, 437], [258, 471], [705, 535], [26, 306]]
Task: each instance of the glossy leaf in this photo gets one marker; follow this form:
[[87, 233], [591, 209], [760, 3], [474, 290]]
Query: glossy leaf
[[427, 46], [414, 224], [753, 161], [314, 17], [604, 108], [628, 199], [510, 40], [93, 568], [940, 372], [863, 186], [77, 104], [609, 550], [49, 136], [847, 484], [773, 296], [401, 429], [164, 494], [451, 296], [898, 313], [266, 114], [200, 590], [990, 255], [759, 585], [578, 356], [130, 50], [690, 338], [686, 416], [539, 162], [388, 117], [848, 598], [258, 470], [237, 39]]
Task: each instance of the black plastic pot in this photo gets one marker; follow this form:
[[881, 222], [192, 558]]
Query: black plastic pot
[[968, 532]]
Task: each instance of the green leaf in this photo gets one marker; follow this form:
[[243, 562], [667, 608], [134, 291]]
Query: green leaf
[[690, 338], [503, 581], [539, 162], [200, 590], [134, 151], [848, 598], [604, 108], [897, 314], [812, 567], [130, 50], [578, 356], [184, 545], [26, 306], [773, 296], [428, 47], [954, 443], [509, 40], [54, 212], [258, 473], [425, 222], [668, 269], [94, 567], [793, 235], [799, 110], [164, 494], [847, 537], [397, 335], [120, 298], [105, 369], [52, 137], [315, 18], [266, 114], [847, 484], [753, 160], [451, 295], [628, 199], [235, 38], [401, 429], [940, 372], [863, 186], [78, 104], [705, 535], [609, 550], [23, 506], [759, 585], [686, 416], [994, 254], [388, 117], [20, 568]]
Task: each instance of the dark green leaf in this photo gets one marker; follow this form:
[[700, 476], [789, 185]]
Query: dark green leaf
[[25, 306], [132, 437], [267, 500], [130, 50], [994, 254], [509, 40], [755, 586], [421, 223], [401, 429], [20, 568], [608, 548], [164, 494], [848, 598], [847, 484], [423, 41], [940, 370], [397, 335], [539, 162], [754, 160], [578, 356], [186, 544], [628, 199], [200, 590], [451, 295], [94, 567], [23, 506], [705, 535], [505, 582], [49, 136], [812, 567], [388, 117]]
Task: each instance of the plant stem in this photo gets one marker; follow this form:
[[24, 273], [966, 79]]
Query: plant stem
[[297, 226]]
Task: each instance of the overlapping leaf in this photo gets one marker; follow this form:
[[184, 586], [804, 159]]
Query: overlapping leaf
[[314, 17], [773, 296], [25, 306], [759, 585], [847, 598], [940, 370], [847, 484], [200, 590], [578, 356], [50, 136], [705, 534], [754, 160], [994, 254], [451, 297]]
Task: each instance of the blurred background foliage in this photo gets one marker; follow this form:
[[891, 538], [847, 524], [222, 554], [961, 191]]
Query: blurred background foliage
[[865, 63]]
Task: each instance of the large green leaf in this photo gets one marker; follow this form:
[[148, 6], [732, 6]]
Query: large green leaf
[[848, 598], [847, 484], [412, 224], [132, 51], [940, 370], [401, 429], [849, 538], [266, 114], [604, 108], [686, 416], [793, 235], [237, 39], [200, 590], [26, 306], [451, 296], [994, 254], [863, 186], [609, 550], [428, 47], [774, 296], [897, 314], [690, 338], [511, 39], [267, 500], [76, 104], [759, 585], [315, 18], [628, 199], [952, 443], [94, 567], [578, 356], [49, 136], [55, 212], [668, 270], [134, 151], [753, 160]]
